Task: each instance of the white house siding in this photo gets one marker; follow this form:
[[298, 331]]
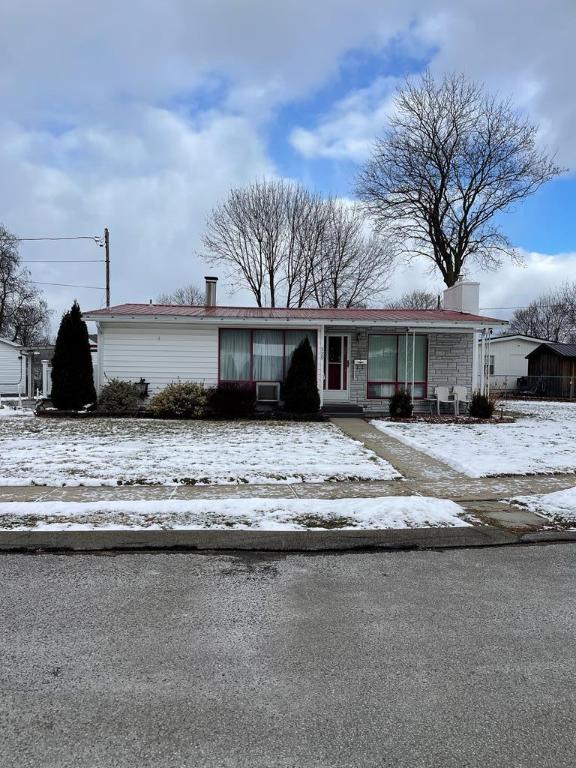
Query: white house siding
[[510, 361], [159, 353], [12, 370]]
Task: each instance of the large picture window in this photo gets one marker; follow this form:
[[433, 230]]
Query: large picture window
[[249, 355], [391, 358]]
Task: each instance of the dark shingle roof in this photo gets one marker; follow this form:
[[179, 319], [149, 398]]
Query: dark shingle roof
[[562, 350]]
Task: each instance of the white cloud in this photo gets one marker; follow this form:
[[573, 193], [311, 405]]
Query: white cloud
[[151, 181], [521, 48], [501, 291], [349, 131]]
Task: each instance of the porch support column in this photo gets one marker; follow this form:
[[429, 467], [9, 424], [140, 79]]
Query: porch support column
[[475, 353], [45, 392], [488, 362], [413, 359], [482, 360], [320, 363]]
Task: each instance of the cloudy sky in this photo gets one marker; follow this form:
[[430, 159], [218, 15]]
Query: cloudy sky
[[139, 115]]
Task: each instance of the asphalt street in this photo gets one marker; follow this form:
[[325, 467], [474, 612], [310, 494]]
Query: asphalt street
[[446, 658]]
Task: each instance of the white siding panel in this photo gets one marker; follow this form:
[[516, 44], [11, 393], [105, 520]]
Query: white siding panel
[[12, 370], [160, 354]]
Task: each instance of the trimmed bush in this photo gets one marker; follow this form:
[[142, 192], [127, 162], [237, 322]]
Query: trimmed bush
[[232, 401], [300, 388], [481, 407], [118, 396], [184, 400], [72, 373], [401, 405]]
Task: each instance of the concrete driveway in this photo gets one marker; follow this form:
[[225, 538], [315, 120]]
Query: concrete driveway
[[447, 658]]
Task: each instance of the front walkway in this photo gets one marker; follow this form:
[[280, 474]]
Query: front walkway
[[427, 476]]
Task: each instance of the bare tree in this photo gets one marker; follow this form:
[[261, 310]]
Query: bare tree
[[353, 267], [452, 158], [414, 300], [188, 295], [551, 316], [24, 312], [245, 234], [291, 248]]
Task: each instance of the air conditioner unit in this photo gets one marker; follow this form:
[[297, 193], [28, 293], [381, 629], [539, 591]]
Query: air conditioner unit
[[267, 392]]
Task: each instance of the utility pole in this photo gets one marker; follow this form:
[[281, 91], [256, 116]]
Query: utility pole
[[107, 259]]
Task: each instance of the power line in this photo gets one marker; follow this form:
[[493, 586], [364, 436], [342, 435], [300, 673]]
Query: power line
[[63, 261], [95, 238], [70, 285], [492, 309]]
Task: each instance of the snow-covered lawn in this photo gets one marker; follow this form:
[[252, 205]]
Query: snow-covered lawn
[[560, 506], [543, 439], [8, 412], [240, 514], [46, 451]]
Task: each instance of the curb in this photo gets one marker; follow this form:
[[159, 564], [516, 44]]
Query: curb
[[270, 541]]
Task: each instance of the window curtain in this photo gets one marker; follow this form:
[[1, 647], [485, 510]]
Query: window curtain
[[382, 352], [234, 355], [268, 355]]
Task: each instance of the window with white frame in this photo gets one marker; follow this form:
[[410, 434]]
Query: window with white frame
[[394, 361]]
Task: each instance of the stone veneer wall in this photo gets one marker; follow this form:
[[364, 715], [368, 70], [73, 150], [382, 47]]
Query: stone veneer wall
[[450, 361]]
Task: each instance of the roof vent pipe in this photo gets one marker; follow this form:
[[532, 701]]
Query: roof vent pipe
[[210, 291]]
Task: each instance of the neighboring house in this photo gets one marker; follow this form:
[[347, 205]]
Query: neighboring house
[[13, 368], [506, 359], [363, 355], [552, 369]]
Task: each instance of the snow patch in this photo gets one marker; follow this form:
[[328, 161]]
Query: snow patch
[[238, 514], [559, 506], [540, 441], [97, 452]]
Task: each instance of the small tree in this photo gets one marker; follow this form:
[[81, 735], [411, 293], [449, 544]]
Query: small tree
[[300, 388], [72, 373]]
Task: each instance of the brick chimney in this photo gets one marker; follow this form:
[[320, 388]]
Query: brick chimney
[[464, 296]]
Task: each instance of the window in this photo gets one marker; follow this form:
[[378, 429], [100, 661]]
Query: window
[[259, 354], [491, 365], [235, 355], [268, 359], [390, 361]]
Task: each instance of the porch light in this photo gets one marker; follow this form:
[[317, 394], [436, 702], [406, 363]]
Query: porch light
[[142, 388]]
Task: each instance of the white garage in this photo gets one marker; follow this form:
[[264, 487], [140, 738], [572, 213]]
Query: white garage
[[13, 368]]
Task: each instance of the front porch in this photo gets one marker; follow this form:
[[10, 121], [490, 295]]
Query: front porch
[[359, 368]]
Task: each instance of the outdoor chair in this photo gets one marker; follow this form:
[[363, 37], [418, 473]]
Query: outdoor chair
[[442, 395], [460, 396]]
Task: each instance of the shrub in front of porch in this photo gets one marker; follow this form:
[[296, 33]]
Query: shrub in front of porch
[[232, 401], [182, 400], [401, 405], [481, 407], [119, 396], [300, 388]]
